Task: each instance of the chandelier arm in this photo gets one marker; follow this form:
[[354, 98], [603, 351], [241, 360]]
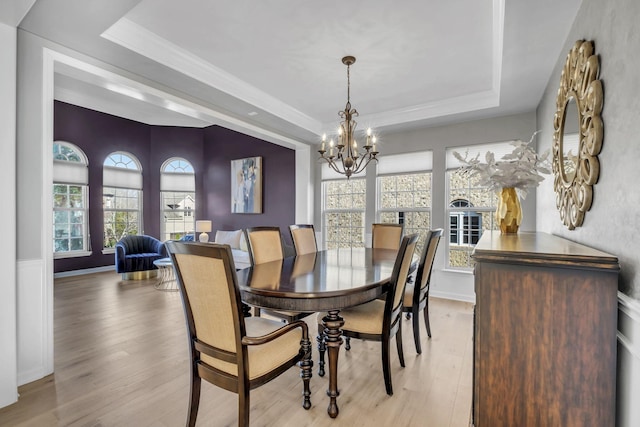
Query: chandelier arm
[[347, 161]]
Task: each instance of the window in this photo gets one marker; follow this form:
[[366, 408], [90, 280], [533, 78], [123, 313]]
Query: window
[[470, 207], [343, 212], [177, 199], [404, 192], [121, 197], [70, 196]]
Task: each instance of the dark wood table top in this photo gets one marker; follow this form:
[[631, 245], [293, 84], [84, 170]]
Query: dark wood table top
[[326, 280]]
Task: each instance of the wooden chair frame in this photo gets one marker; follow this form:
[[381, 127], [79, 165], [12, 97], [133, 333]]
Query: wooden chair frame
[[423, 280], [287, 316], [391, 323], [240, 384]]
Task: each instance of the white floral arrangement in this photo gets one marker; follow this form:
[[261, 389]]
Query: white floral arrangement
[[521, 169]]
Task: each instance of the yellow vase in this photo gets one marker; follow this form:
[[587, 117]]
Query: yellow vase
[[509, 211]]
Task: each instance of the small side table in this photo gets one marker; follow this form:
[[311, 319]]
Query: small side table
[[167, 278]]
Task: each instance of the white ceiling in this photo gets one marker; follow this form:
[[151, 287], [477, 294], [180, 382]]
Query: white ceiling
[[202, 62]]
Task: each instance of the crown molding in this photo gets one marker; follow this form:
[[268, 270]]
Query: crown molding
[[138, 39]]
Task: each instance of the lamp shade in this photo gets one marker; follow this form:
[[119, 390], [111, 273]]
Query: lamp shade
[[203, 226]]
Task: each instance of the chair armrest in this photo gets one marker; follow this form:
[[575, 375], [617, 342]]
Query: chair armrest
[[159, 247], [120, 255], [277, 333]]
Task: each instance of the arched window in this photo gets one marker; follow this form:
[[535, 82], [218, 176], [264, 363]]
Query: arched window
[[177, 199], [465, 225], [70, 201], [470, 204], [121, 197]]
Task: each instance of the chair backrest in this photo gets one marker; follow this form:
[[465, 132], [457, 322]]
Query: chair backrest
[[423, 275], [265, 244], [139, 244], [401, 269], [304, 238], [212, 305], [386, 236]]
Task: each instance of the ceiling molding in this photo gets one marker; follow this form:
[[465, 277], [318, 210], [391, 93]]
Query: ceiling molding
[[134, 37], [498, 43], [445, 107], [145, 93]]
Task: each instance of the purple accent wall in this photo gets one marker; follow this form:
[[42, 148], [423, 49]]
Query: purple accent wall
[[209, 150], [278, 179]]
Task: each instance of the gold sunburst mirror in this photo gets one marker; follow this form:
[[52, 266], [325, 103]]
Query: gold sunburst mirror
[[578, 134]]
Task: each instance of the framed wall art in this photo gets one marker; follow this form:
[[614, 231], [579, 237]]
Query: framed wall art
[[246, 185]]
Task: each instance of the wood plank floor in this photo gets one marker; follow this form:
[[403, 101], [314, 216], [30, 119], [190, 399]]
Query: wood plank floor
[[121, 359]]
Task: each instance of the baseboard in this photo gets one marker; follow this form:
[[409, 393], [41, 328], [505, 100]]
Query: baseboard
[[628, 411], [452, 295], [84, 271]]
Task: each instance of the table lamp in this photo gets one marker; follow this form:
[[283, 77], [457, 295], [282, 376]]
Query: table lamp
[[203, 227]]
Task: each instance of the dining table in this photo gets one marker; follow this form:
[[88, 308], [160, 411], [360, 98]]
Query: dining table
[[325, 281]]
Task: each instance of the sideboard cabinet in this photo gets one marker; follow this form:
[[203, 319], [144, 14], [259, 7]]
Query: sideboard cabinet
[[544, 332]]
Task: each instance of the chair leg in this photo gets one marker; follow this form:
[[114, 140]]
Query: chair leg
[[426, 318], [243, 407], [347, 343], [194, 400], [306, 366], [399, 343], [322, 347], [416, 330], [386, 366]]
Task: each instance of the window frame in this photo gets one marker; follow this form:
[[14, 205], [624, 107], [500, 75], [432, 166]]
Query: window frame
[[379, 210], [184, 169], [326, 212], [466, 211], [84, 188], [133, 160]]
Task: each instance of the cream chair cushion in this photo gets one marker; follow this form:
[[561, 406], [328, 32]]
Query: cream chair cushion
[[266, 245], [304, 240], [263, 358], [365, 318], [408, 295], [386, 236]]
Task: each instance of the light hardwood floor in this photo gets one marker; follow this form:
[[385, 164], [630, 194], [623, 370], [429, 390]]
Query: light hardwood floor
[[121, 359]]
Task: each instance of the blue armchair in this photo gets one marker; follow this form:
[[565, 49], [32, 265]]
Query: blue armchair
[[137, 253]]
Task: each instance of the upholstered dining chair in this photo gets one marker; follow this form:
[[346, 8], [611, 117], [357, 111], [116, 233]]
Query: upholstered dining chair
[[386, 236], [379, 320], [416, 294], [383, 236], [304, 238], [232, 352], [265, 245]]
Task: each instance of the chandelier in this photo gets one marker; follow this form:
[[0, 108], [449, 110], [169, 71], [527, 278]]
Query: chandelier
[[344, 158]]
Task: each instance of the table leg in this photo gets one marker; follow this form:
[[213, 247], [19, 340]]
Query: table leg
[[332, 324]]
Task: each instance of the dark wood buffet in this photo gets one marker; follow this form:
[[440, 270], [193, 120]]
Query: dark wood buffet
[[544, 332]]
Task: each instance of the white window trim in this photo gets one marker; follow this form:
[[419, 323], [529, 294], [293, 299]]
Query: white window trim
[[73, 173], [379, 195], [339, 210], [71, 254]]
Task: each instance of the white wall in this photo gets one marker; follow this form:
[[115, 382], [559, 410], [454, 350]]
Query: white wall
[[612, 223], [446, 283], [33, 302], [8, 327]]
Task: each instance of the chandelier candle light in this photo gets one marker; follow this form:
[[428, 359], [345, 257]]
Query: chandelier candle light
[[344, 157]]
